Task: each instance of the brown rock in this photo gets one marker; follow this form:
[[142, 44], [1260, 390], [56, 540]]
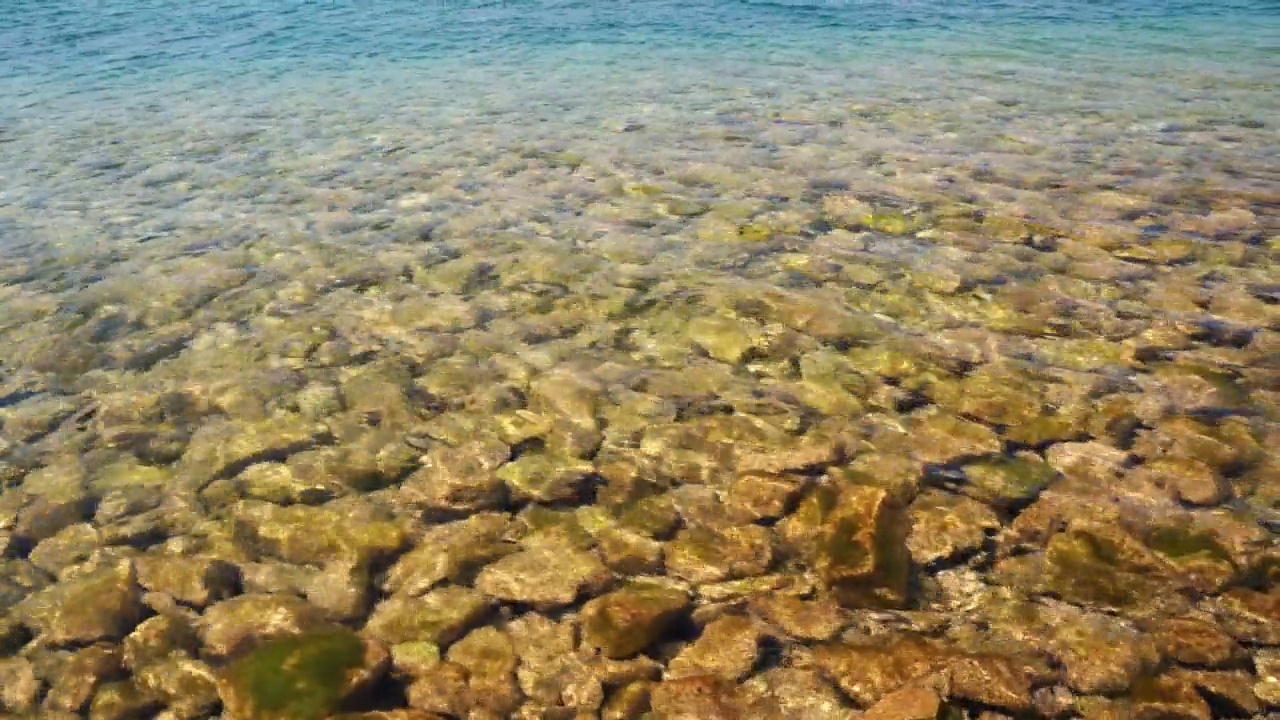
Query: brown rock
[[1248, 615], [946, 526], [795, 693], [698, 698], [72, 544], [630, 553], [944, 438], [1231, 691], [702, 555], [992, 681], [443, 690], [764, 496], [451, 551], [124, 700], [1195, 642], [855, 537], [1190, 481], [187, 686], [1167, 697], [867, 673], [1101, 654], [460, 479], [629, 702], [1267, 689], [911, 703], [1100, 564], [726, 649], [389, 715], [819, 619], [490, 661], [80, 677]]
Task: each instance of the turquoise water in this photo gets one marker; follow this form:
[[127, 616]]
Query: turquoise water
[[84, 80]]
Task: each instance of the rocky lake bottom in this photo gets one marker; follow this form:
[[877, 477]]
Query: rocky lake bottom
[[938, 389]]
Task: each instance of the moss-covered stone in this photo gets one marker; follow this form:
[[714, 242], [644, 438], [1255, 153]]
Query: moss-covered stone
[[1197, 553], [189, 687], [197, 581], [158, 638], [866, 672], [1102, 564], [945, 526], [626, 621], [1007, 482], [300, 678], [942, 437], [726, 339]]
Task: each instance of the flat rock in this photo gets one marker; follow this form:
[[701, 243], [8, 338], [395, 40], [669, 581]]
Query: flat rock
[[818, 619], [1195, 642], [942, 438], [222, 448], [80, 676], [316, 535], [458, 479], [703, 555], [545, 577], [438, 617], [795, 693]]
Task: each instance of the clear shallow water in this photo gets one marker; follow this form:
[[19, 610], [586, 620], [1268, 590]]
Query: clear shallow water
[[750, 238]]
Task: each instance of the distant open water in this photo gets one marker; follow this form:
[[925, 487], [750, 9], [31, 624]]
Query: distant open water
[[150, 80]]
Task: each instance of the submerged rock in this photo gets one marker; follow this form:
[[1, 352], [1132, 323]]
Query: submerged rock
[[856, 539], [233, 626], [301, 678], [545, 577], [625, 622], [439, 617], [103, 604]]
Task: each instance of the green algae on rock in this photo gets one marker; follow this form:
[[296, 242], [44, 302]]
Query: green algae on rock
[[626, 621], [305, 677]]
